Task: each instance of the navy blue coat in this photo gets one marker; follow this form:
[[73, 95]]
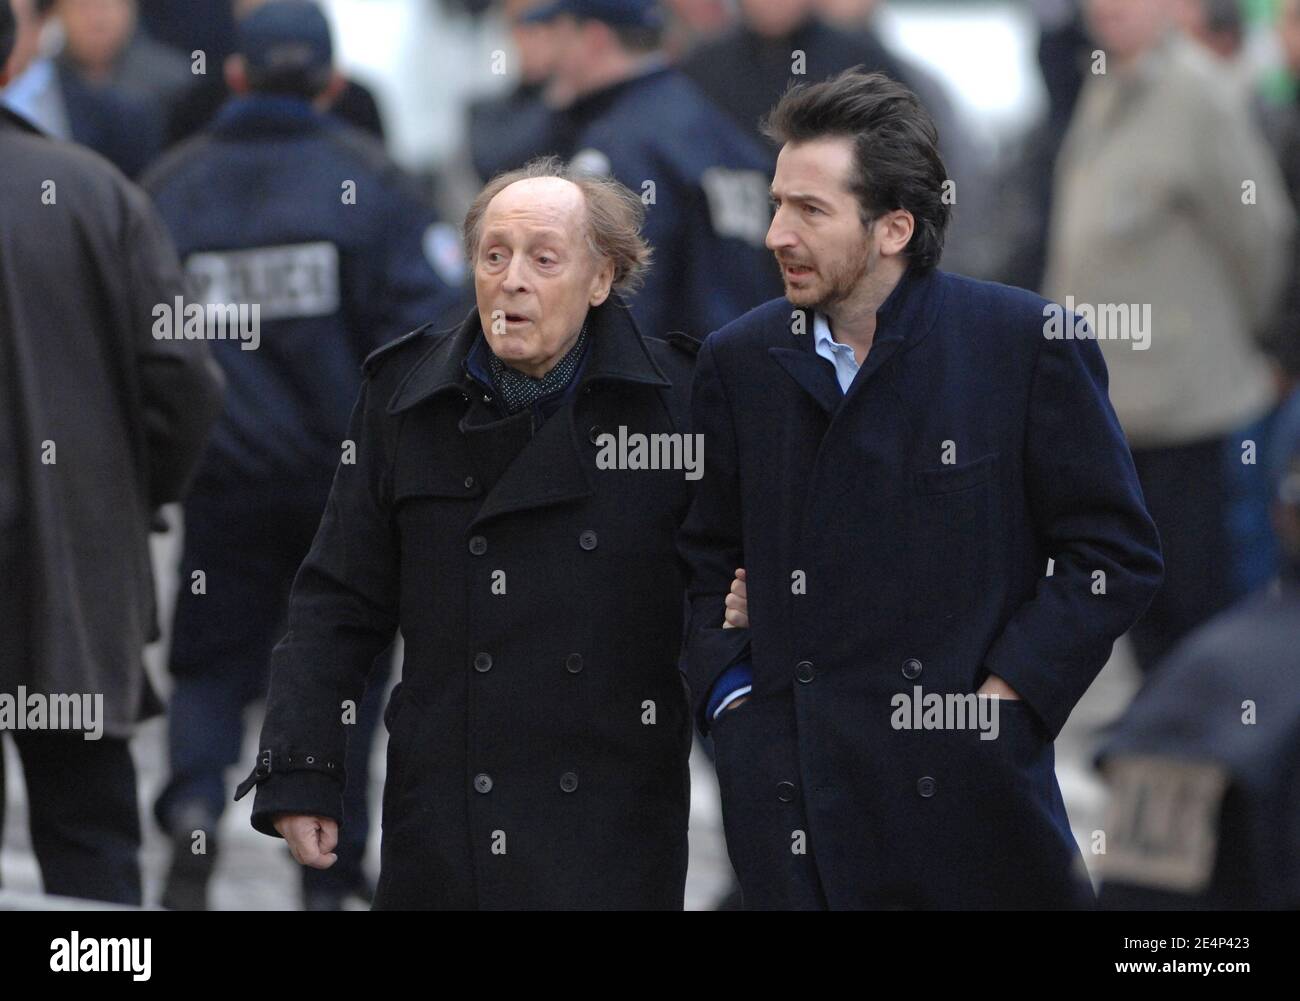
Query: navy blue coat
[[710, 209], [918, 572], [257, 209]]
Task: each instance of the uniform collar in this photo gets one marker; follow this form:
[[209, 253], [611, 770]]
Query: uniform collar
[[270, 114], [617, 353], [592, 105]]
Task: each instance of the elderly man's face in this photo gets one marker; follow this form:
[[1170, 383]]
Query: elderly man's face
[[535, 275]]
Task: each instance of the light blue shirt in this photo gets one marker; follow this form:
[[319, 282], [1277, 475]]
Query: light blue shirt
[[36, 96], [839, 355]]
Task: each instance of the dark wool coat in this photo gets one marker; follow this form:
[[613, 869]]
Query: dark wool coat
[[84, 259], [539, 736], [919, 512]]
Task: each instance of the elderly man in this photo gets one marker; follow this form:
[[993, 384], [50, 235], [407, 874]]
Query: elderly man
[[539, 737]]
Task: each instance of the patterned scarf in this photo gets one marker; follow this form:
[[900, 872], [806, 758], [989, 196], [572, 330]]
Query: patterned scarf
[[518, 390]]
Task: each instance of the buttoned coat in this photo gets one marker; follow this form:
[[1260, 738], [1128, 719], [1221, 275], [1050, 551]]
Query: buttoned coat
[[539, 737], [898, 538]]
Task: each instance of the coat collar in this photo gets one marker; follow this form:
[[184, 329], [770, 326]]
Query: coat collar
[[552, 468], [617, 353], [904, 319]]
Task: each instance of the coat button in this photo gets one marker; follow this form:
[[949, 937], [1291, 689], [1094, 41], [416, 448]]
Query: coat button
[[925, 785], [482, 782], [593, 433], [911, 669], [469, 483], [785, 792], [478, 545], [482, 662], [587, 540], [804, 671], [568, 782], [573, 663]]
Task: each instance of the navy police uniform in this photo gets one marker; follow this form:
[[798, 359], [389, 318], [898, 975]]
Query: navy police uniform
[[280, 208]]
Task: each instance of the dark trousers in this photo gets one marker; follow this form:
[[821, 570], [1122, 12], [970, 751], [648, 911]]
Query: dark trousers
[[82, 814], [221, 649], [1189, 495]]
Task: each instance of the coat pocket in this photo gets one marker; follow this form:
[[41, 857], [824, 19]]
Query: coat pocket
[[949, 479], [950, 538]]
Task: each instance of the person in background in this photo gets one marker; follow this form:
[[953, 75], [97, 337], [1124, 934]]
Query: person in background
[[511, 129], [703, 180], [746, 69], [51, 94], [105, 45], [1282, 340], [1171, 220], [352, 102], [280, 205], [101, 422], [1204, 809]]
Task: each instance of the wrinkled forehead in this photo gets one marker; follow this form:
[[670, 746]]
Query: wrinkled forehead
[[549, 205]]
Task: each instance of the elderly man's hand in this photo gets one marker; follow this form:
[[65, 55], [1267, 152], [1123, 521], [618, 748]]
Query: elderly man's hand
[[312, 840], [737, 613]]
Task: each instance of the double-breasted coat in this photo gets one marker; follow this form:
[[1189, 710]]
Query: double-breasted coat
[[897, 537], [539, 736]]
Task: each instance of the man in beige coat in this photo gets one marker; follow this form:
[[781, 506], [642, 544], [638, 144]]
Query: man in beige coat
[[1169, 235]]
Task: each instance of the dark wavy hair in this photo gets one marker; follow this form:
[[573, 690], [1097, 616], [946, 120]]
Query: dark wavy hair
[[896, 149]]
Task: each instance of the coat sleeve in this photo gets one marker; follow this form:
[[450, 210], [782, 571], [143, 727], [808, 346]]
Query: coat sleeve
[[342, 615], [1089, 516], [179, 383], [710, 541]]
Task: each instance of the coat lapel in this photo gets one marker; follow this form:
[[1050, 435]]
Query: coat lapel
[[811, 372], [553, 467]]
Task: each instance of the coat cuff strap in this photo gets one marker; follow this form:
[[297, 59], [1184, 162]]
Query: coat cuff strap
[[280, 763]]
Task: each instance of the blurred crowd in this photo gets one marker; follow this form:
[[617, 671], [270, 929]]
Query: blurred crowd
[[1162, 175]]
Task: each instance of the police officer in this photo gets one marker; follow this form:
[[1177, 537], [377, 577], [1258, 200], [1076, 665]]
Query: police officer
[[702, 180], [298, 230], [1205, 808]]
